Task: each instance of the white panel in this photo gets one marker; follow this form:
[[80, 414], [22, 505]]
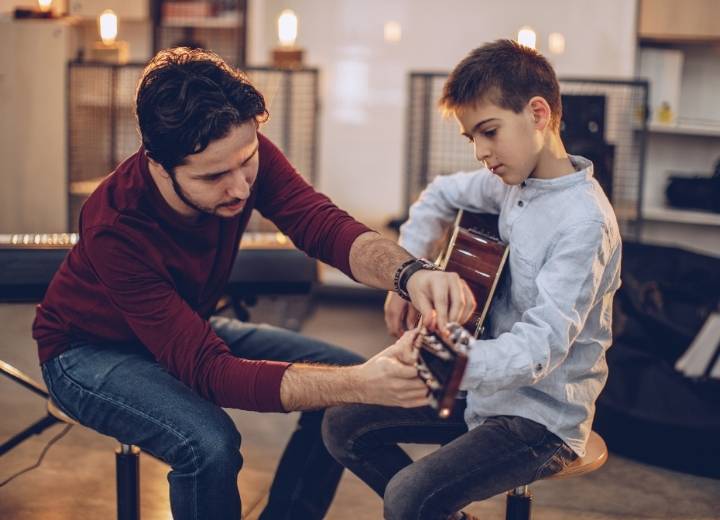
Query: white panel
[[363, 77], [33, 138]]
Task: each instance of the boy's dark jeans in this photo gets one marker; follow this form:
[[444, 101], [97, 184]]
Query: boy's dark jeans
[[503, 453], [123, 392]]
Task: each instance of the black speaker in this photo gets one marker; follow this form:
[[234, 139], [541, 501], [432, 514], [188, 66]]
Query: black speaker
[[582, 130]]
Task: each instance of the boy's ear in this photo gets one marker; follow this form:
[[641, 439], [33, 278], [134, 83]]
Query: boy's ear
[[540, 111]]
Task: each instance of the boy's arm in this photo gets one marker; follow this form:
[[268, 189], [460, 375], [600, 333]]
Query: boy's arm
[[479, 191], [582, 271]]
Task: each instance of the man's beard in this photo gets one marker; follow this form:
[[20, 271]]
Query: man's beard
[[187, 200]]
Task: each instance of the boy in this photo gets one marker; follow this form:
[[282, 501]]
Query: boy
[[532, 384]]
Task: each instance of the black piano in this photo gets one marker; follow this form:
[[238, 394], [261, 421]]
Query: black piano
[[267, 263]]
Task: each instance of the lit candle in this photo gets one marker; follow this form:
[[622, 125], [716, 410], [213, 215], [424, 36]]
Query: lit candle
[[44, 5], [526, 36], [108, 23], [287, 28]]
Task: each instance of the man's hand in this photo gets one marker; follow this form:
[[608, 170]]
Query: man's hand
[[400, 315], [390, 377], [440, 297]]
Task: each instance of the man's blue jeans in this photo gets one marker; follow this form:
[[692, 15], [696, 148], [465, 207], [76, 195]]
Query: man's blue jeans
[[503, 453], [121, 391]]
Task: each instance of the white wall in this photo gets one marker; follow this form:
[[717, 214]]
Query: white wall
[[363, 78], [33, 136]]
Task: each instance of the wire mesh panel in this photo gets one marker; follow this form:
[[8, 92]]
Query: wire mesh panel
[[223, 42], [101, 126], [103, 131], [622, 126], [218, 25], [292, 100], [435, 146], [603, 120]]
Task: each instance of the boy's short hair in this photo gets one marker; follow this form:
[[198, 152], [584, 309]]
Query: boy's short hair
[[505, 73], [188, 98]]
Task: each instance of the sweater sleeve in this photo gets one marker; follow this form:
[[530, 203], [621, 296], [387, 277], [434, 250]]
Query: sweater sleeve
[[478, 191], [180, 339], [311, 220]]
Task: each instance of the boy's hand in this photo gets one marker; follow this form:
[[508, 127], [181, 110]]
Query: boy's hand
[[390, 377], [400, 315], [440, 297]]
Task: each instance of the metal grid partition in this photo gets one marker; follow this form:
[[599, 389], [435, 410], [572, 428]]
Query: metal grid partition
[[101, 126], [219, 25], [102, 129], [226, 42], [616, 120]]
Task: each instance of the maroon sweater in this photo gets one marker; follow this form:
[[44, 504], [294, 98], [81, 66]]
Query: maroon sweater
[[142, 274]]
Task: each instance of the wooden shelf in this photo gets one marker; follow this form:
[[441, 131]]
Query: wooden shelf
[[685, 129], [205, 22], [681, 216]]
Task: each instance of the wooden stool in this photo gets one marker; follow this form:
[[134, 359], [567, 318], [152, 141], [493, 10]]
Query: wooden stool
[[520, 498], [127, 471]]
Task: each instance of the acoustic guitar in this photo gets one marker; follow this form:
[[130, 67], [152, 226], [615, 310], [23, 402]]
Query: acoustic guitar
[[476, 252]]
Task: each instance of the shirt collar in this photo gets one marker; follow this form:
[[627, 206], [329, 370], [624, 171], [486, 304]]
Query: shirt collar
[[584, 172]]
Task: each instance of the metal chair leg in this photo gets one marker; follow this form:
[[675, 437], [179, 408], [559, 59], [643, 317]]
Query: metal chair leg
[[519, 502], [127, 478]]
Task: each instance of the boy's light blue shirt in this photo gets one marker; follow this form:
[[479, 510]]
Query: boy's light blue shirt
[[551, 320]]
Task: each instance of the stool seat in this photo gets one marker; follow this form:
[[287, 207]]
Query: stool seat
[[596, 455], [56, 412]]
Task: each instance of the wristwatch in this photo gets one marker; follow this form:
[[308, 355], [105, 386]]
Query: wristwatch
[[406, 270]]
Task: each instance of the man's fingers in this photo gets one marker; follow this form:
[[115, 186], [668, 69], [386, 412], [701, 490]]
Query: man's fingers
[[424, 307], [470, 304], [395, 312], [440, 300], [457, 300], [404, 371], [412, 317]]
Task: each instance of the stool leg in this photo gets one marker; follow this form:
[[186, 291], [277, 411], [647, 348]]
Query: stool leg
[[127, 477], [519, 501]]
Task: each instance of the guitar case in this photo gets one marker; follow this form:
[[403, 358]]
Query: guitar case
[[649, 411]]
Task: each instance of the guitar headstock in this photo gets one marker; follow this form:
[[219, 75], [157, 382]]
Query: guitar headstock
[[441, 363]]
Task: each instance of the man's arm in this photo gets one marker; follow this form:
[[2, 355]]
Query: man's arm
[[438, 296], [389, 379], [429, 218]]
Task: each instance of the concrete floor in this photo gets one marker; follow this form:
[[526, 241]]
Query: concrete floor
[[76, 479]]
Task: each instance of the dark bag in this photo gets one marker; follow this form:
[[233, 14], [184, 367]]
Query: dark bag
[[698, 192], [648, 410]]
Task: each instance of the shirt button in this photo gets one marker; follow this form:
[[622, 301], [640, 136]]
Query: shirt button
[[521, 203]]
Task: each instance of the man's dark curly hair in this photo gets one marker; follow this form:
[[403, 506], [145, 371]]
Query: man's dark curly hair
[[188, 98]]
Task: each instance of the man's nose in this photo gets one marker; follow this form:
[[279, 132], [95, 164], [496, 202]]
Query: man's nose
[[240, 188]]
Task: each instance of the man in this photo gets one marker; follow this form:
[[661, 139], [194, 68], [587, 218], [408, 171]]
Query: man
[[125, 337]]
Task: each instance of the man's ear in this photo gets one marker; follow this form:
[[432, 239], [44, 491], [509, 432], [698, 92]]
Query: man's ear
[[156, 167], [540, 112]]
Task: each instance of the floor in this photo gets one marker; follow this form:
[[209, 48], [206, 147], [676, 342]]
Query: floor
[[76, 478]]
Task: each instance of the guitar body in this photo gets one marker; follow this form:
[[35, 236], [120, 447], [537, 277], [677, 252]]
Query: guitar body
[[477, 254]]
